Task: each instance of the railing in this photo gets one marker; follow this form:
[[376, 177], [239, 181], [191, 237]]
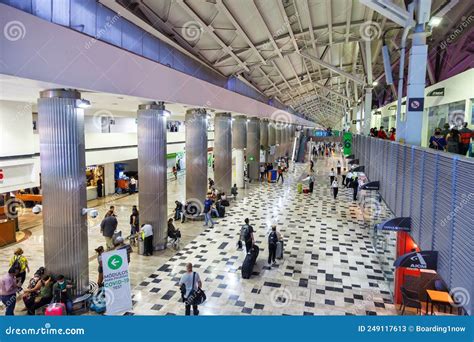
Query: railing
[[436, 190]]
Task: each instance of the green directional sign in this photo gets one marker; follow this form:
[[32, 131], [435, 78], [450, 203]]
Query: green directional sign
[[115, 262], [347, 143]]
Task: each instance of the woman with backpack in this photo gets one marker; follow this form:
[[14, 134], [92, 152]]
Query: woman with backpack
[[20, 262]]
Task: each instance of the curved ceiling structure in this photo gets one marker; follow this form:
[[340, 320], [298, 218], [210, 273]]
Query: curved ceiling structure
[[308, 54]]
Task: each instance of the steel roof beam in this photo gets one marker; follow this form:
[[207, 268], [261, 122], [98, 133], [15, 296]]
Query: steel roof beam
[[210, 30], [333, 68]]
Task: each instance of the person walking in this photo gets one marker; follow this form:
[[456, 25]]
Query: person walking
[[332, 175], [311, 166], [338, 167], [355, 187], [107, 227], [273, 239], [208, 212], [190, 285], [335, 188], [280, 174], [175, 172], [246, 235], [19, 261], [100, 270], [147, 231], [262, 172], [134, 221], [344, 175], [8, 290]]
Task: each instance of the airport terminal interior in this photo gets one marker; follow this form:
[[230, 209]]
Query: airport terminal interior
[[250, 157]]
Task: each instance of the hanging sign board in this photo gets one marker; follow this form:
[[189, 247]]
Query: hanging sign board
[[347, 143], [371, 186], [396, 224], [436, 92], [118, 293], [358, 169], [423, 260], [416, 104]]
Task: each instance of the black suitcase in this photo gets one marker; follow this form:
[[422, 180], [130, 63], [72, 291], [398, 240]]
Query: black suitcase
[[221, 211], [249, 262]]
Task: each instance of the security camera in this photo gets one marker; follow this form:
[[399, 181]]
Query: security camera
[[37, 209], [92, 212]]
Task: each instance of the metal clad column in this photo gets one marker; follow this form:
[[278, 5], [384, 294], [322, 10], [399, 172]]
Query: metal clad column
[[239, 143], [196, 157], [272, 139], [368, 111], [278, 142], [152, 196], [264, 138], [223, 151], [63, 182], [253, 147]]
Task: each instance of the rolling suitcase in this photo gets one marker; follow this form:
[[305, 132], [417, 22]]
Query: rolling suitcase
[[55, 309], [249, 262], [305, 191], [279, 251], [299, 186]]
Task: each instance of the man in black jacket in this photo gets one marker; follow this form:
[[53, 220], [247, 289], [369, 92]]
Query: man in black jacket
[[107, 228]]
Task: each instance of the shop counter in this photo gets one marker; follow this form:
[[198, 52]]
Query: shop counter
[[91, 192]]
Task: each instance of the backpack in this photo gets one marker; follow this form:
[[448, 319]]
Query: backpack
[[247, 232], [16, 265], [273, 238]]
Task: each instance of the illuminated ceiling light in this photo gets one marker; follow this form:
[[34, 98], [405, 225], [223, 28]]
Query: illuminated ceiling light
[[375, 83], [81, 103], [435, 21]]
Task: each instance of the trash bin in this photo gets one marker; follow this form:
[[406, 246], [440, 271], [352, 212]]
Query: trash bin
[[141, 246]]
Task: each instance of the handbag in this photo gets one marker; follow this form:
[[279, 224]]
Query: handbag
[[196, 297]]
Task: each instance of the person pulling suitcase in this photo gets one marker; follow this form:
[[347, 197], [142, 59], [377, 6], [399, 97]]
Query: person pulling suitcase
[[273, 239]]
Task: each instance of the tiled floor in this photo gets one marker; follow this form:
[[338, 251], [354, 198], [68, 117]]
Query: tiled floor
[[329, 265]]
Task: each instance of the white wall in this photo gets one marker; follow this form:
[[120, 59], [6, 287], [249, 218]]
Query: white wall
[[457, 88], [16, 129]]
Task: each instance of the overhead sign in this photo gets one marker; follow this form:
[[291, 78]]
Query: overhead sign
[[353, 161], [436, 92], [371, 186], [354, 122], [118, 294], [347, 143], [358, 169], [423, 260], [416, 104], [396, 224]]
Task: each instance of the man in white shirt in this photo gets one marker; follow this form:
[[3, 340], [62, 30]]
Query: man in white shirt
[[147, 231], [190, 283]]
